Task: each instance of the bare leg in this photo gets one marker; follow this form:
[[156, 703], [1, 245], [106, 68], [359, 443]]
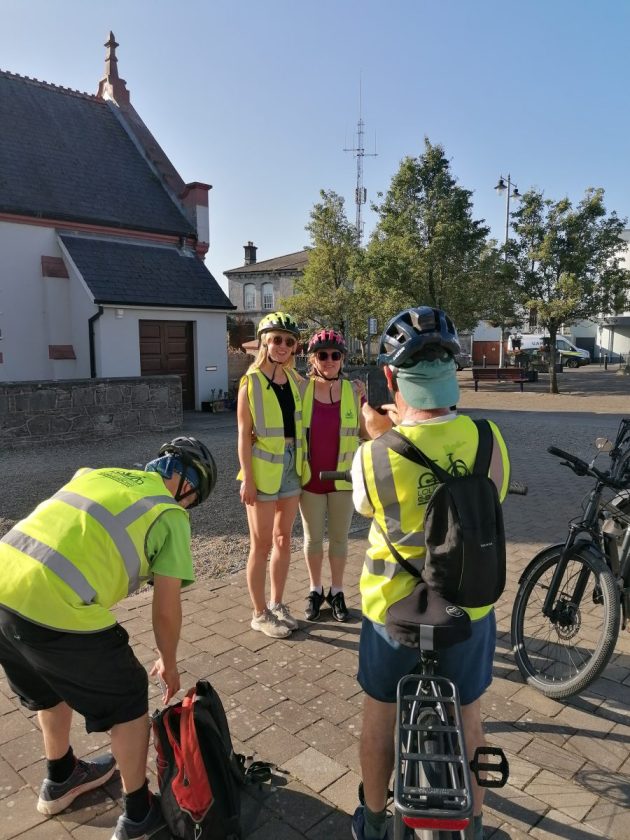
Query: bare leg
[[377, 751], [474, 737], [286, 511], [55, 725], [260, 517], [130, 746]]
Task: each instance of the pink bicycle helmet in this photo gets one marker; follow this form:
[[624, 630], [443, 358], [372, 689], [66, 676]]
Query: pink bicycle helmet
[[327, 340]]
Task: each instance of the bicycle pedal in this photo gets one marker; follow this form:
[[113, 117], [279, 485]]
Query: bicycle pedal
[[479, 765]]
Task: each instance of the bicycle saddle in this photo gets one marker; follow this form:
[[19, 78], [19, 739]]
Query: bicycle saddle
[[427, 621]]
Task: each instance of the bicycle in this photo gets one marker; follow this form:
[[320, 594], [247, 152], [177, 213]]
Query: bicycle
[[432, 775], [574, 596]]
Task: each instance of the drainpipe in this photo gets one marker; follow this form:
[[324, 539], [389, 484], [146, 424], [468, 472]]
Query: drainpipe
[[91, 321]]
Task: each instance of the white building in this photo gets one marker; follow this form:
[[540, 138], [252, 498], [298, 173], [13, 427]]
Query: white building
[[102, 244]]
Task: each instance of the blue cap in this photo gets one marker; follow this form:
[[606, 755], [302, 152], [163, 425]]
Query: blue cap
[[166, 465], [429, 384]]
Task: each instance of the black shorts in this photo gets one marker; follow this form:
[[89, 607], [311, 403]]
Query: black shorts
[[96, 674]]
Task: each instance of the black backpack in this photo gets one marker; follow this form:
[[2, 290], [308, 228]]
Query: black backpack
[[463, 527], [199, 774]]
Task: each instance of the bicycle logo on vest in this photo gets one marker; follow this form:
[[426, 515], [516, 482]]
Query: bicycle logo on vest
[[427, 481]]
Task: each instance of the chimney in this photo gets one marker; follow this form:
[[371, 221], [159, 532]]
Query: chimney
[[250, 253], [111, 85]]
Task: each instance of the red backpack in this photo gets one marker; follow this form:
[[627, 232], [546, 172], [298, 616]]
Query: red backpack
[[199, 773]]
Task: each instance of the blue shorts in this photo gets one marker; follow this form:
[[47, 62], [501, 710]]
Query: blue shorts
[[382, 661], [290, 484]]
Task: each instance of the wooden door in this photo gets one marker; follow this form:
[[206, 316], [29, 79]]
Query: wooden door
[[167, 347]]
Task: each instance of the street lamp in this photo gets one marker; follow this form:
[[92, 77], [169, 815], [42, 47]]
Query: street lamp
[[511, 191]]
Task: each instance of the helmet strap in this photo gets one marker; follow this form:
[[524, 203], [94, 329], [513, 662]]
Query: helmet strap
[[192, 492]]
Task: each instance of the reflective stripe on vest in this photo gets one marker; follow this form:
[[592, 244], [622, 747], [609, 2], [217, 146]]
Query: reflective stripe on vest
[[116, 526], [55, 561], [390, 568], [386, 488]]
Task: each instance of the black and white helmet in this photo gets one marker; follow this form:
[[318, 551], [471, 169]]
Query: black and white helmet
[[413, 330]]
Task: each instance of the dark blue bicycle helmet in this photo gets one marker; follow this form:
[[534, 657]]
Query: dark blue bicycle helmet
[[413, 330]]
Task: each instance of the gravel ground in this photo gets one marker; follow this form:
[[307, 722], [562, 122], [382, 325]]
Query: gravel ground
[[220, 542], [530, 422]]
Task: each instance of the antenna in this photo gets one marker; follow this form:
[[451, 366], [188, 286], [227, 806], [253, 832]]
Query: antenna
[[360, 193]]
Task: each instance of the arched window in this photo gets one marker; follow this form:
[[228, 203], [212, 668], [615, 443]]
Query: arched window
[[267, 296], [249, 296]]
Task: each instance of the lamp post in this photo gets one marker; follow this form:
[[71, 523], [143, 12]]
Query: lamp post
[[511, 191]]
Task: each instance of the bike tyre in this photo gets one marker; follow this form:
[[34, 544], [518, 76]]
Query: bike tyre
[[437, 777], [559, 689]]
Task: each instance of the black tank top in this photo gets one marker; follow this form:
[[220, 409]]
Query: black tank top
[[284, 395]]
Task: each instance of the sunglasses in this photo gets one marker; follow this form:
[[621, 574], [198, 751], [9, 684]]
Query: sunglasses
[[324, 355], [283, 339]]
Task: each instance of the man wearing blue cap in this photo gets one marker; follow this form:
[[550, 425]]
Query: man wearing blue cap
[[417, 350], [97, 540]]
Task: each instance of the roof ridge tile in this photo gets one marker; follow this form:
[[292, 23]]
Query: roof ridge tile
[[48, 85]]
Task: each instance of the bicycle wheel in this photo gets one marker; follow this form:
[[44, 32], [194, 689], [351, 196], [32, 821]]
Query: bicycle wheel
[[433, 773], [561, 657]]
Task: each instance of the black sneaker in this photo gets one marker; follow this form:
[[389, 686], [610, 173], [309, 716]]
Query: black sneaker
[[153, 823], [313, 605], [338, 606], [55, 797]]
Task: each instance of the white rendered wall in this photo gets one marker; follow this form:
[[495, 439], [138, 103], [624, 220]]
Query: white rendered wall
[[37, 311]]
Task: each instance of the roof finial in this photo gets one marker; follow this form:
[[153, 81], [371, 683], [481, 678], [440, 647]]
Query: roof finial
[[111, 85]]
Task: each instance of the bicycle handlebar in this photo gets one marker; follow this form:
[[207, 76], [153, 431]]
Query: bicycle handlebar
[[580, 467], [516, 488]]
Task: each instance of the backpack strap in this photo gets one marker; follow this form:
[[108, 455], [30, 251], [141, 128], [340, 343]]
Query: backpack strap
[[393, 439], [382, 440], [484, 448]]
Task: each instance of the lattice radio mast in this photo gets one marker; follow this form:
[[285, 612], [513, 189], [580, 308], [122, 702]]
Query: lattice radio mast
[[360, 193]]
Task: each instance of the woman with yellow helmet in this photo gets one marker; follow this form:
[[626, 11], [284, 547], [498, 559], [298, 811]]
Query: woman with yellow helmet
[[270, 454]]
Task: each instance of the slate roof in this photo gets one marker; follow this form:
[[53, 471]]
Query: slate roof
[[120, 273], [289, 262], [65, 155]]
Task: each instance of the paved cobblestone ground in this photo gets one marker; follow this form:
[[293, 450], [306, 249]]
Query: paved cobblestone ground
[[296, 702]]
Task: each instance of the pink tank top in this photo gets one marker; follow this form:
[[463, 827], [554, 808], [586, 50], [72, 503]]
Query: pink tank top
[[323, 444]]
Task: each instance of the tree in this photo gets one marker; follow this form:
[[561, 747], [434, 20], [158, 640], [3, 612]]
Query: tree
[[568, 261], [427, 248], [323, 294]]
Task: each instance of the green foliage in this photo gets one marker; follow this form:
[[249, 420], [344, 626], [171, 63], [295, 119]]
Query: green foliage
[[427, 248], [323, 294], [568, 260]]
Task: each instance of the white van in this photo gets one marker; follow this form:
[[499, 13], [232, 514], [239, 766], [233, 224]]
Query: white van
[[569, 354]]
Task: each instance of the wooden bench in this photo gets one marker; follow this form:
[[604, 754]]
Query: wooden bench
[[506, 374]]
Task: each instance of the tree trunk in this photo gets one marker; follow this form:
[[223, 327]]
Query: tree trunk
[[553, 377]]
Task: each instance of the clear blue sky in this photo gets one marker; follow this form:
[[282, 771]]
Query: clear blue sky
[[259, 97]]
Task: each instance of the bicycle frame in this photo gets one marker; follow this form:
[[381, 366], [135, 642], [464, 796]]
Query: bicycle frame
[[586, 525]]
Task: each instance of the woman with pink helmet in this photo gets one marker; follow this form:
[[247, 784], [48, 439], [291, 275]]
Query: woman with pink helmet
[[331, 427]]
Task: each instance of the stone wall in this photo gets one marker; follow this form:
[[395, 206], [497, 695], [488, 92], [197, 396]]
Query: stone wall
[[89, 409]]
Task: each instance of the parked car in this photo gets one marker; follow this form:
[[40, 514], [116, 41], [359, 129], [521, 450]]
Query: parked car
[[464, 360]]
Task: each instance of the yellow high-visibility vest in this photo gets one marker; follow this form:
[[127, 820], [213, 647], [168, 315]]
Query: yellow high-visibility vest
[[350, 408], [399, 489], [268, 447], [83, 550]]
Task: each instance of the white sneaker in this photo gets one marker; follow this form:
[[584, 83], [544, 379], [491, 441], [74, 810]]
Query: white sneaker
[[269, 624], [281, 612]]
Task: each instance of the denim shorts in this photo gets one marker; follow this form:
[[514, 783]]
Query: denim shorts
[[291, 484], [382, 661]]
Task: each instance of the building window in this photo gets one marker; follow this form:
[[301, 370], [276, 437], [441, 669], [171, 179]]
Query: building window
[[249, 296], [267, 296]]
